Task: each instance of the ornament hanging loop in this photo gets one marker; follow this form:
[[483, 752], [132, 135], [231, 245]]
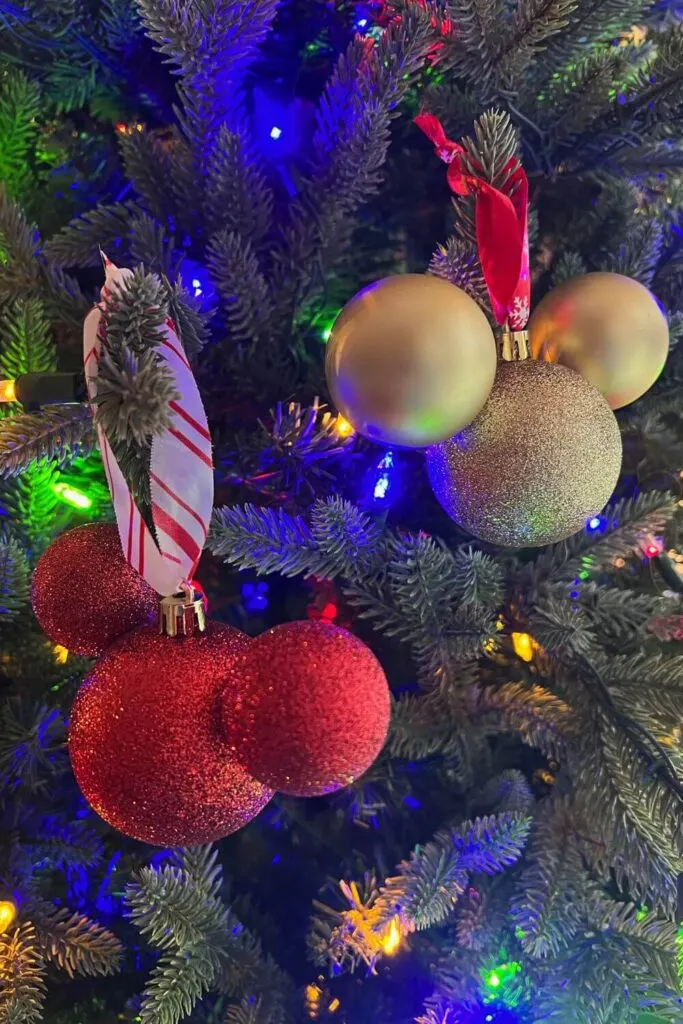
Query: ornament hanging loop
[[182, 614], [513, 346]]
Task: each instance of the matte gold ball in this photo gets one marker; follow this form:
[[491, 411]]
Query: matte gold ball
[[541, 459], [410, 360], [608, 328]]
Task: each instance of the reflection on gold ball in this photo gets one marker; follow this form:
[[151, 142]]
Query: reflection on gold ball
[[608, 328], [541, 458], [411, 360]]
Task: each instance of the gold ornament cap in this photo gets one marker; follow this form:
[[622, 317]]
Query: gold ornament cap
[[182, 614]]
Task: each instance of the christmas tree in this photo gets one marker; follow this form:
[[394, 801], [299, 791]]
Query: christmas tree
[[513, 853]]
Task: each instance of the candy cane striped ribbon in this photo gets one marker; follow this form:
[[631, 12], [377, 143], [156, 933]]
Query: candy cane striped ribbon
[[181, 470]]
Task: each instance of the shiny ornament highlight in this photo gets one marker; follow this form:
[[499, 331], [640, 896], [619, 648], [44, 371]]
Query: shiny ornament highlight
[[410, 360], [146, 744], [84, 593], [306, 708], [541, 458], [8, 913], [607, 327]]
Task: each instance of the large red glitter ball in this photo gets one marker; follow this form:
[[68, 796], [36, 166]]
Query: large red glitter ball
[[85, 595], [146, 743], [306, 708]]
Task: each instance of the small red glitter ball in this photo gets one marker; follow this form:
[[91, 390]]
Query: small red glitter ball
[[306, 708], [146, 743], [84, 593]]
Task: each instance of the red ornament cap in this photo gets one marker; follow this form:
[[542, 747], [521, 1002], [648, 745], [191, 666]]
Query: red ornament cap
[[146, 744], [84, 593], [306, 708]]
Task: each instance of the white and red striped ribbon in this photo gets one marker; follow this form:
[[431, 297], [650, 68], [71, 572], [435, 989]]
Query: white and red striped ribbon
[[181, 471]]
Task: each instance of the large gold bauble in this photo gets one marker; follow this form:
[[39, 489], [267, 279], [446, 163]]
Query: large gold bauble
[[608, 328], [410, 360], [541, 458]]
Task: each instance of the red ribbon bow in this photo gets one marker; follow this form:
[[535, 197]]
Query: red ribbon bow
[[502, 224]]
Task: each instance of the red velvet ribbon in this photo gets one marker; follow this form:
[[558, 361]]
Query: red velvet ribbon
[[502, 224]]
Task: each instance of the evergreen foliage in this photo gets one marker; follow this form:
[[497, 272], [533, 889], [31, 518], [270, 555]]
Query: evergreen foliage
[[536, 712]]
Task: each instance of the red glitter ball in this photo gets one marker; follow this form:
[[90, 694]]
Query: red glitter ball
[[85, 595], [306, 709], [146, 743]]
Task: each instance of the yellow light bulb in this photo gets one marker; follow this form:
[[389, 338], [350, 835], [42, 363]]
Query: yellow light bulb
[[523, 645], [392, 939], [8, 912], [334, 1006], [8, 391], [61, 653], [343, 427]]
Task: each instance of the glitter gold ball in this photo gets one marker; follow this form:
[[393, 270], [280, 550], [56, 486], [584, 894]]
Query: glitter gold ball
[[542, 458], [146, 743], [607, 327], [410, 360], [306, 708], [84, 593]]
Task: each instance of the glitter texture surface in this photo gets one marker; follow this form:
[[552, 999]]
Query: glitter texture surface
[[146, 743], [410, 360], [541, 458], [84, 593], [307, 708]]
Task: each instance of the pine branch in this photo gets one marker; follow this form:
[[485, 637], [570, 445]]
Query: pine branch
[[350, 543], [591, 22], [506, 792], [79, 243], [14, 577], [19, 108], [340, 541], [489, 845], [32, 743], [458, 262], [63, 844], [479, 24], [26, 345], [548, 906], [650, 806], [620, 616], [238, 198], [436, 875], [560, 626], [148, 168], [625, 522], [202, 39], [190, 322], [58, 434], [269, 540], [76, 944], [30, 500], [242, 286], [150, 245], [424, 726], [22, 977], [173, 912], [18, 246], [580, 93], [133, 315], [533, 23], [176, 984], [568, 266], [541, 718], [134, 393], [640, 255], [350, 145]]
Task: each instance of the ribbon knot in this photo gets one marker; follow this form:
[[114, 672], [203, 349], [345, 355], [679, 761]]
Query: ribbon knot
[[502, 225]]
